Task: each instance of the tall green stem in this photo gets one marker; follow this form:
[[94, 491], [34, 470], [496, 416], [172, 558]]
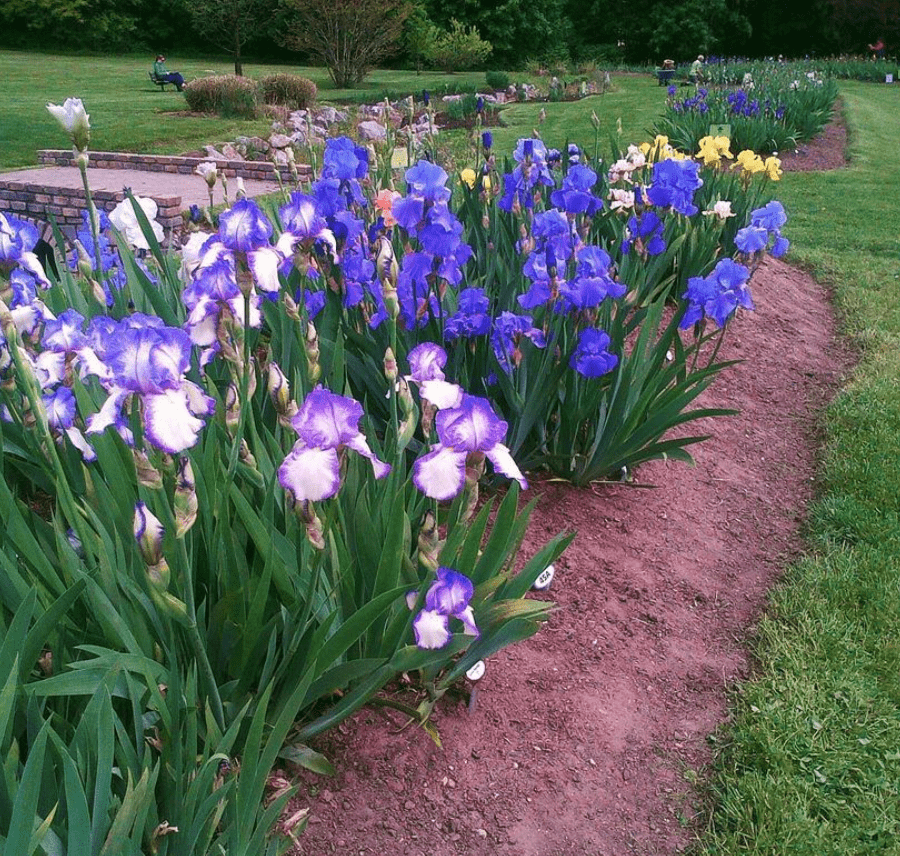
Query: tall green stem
[[92, 214]]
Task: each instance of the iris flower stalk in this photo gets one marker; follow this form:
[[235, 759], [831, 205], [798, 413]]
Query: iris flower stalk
[[76, 122]]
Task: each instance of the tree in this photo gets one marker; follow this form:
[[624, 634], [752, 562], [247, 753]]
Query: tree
[[230, 24], [348, 37], [419, 36], [457, 49]]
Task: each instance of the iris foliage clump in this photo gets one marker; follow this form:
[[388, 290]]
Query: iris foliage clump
[[767, 107]]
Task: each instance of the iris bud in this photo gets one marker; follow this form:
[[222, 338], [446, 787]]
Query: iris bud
[[185, 499], [148, 532], [147, 474]]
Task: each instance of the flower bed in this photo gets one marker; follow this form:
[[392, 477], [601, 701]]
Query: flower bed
[[245, 481], [769, 108]]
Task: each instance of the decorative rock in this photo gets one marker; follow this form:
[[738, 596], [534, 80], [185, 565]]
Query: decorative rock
[[371, 130], [281, 157], [213, 153], [280, 141], [231, 152]]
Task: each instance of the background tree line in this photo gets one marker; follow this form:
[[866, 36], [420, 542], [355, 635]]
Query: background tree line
[[517, 30]]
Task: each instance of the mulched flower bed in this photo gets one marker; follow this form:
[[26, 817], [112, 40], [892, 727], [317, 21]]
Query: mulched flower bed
[[587, 738]]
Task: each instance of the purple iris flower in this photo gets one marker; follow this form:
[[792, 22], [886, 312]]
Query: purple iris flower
[[149, 362], [448, 596], [344, 160], [771, 218], [487, 140], [519, 185], [17, 240], [326, 424], [672, 91], [751, 239], [591, 357], [315, 302], [592, 283], [472, 428], [717, 295], [674, 184], [441, 233], [509, 330], [575, 194], [427, 181], [471, 317], [646, 229]]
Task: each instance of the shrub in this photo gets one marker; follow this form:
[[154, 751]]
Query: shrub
[[459, 49], [497, 79], [225, 94], [290, 90]]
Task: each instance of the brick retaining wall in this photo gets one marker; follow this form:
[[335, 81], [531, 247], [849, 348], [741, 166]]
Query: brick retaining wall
[[260, 170], [38, 202]]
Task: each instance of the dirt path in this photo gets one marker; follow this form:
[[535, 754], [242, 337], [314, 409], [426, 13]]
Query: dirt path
[[585, 739]]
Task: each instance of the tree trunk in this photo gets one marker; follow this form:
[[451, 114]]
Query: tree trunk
[[238, 65]]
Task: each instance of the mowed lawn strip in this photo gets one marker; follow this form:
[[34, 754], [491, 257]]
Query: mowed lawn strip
[[811, 762]]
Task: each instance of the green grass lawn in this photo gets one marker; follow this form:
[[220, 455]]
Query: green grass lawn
[[811, 764], [129, 113]]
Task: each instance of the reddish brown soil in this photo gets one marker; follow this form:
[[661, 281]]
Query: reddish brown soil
[[827, 151], [588, 738]]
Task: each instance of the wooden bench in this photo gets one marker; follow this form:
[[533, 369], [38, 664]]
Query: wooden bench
[[159, 81], [665, 75]]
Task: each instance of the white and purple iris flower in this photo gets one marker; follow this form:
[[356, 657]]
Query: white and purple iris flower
[[149, 362], [245, 231], [213, 289], [61, 412], [17, 240], [426, 365], [448, 597], [326, 424], [472, 428]]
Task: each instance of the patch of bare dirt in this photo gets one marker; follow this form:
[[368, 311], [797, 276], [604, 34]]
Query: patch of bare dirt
[[827, 151]]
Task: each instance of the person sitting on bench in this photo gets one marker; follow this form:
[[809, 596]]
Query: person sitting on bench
[[160, 72]]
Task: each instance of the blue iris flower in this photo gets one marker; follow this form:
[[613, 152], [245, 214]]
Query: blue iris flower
[[674, 184], [591, 357]]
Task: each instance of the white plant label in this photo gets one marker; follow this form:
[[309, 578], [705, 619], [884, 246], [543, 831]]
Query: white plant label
[[476, 672], [542, 583]]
